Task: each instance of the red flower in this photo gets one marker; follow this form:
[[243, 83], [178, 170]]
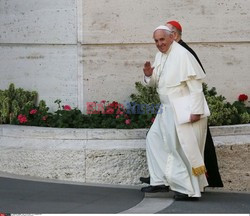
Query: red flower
[[22, 118], [152, 120], [44, 118], [67, 107], [127, 121], [119, 112], [33, 111], [103, 101], [110, 111], [117, 117], [114, 104], [242, 97]]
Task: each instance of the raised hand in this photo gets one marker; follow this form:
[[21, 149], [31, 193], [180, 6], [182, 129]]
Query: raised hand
[[148, 70]]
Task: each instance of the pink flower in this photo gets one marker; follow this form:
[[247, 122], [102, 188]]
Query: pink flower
[[152, 120], [22, 118], [103, 101], [44, 118], [33, 111], [67, 107], [119, 112], [101, 108], [127, 121], [242, 97], [110, 111], [90, 107], [117, 117]]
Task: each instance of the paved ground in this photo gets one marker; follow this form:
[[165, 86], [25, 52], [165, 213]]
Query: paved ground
[[213, 202], [33, 197], [20, 196]]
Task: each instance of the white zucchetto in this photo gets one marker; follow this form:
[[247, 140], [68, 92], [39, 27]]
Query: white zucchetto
[[163, 27]]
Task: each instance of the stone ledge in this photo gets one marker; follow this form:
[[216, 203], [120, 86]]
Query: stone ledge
[[71, 133], [107, 134], [108, 156], [243, 129]]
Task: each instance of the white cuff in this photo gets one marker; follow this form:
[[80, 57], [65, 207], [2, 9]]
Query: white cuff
[[147, 79]]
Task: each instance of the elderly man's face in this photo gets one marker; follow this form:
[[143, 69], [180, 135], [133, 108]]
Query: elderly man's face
[[163, 40]]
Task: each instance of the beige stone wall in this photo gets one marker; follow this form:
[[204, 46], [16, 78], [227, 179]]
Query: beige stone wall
[[132, 21], [86, 50], [38, 48], [110, 71], [117, 40]]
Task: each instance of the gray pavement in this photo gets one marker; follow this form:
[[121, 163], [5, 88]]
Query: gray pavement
[[20, 196], [213, 202]]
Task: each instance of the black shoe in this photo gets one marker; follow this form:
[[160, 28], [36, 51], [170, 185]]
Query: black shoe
[[145, 180], [155, 189], [184, 197]]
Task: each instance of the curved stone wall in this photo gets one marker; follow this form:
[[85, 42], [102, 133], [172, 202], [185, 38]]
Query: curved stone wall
[[108, 156]]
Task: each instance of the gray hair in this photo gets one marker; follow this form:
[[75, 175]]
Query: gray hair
[[174, 29]]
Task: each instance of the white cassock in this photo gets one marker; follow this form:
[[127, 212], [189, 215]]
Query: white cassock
[[175, 151]]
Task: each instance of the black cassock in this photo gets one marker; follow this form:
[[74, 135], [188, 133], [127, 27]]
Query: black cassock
[[210, 159]]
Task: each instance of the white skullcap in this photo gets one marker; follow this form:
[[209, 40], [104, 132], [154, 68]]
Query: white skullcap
[[163, 27]]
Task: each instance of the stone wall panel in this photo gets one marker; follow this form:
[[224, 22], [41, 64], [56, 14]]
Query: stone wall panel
[[227, 67], [130, 21], [49, 70], [39, 22], [110, 72]]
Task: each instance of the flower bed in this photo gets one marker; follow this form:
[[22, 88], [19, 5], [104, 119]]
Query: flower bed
[[19, 107]]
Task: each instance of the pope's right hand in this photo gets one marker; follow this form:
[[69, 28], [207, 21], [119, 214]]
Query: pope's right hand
[[148, 70]]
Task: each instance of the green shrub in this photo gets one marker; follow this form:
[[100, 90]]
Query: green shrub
[[145, 94], [66, 117], [223, 112], [12, 101]]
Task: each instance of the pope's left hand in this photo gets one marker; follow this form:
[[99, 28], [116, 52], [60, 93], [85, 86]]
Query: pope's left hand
[[195, 117]]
